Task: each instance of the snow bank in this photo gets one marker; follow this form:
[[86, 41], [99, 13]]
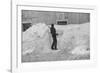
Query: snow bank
[[75, 38], [36, 38]]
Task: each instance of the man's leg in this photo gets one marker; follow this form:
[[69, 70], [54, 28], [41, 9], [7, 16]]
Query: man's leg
[[52, 47], [55, 45]]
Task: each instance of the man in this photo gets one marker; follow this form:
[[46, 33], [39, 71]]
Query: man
[[53, 33]]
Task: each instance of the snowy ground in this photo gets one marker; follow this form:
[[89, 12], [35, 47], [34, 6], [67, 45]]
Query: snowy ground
[[73, 43]]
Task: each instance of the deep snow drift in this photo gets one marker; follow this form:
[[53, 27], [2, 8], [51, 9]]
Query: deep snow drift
[[72, 39]]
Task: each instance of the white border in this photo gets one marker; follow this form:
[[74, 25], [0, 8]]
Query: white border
[[17, 66]]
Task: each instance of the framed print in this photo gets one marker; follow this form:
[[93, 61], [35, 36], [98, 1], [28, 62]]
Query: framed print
[[52, 36]]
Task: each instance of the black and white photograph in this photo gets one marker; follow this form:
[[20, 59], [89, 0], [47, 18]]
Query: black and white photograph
[[54, 36], [48, 37]]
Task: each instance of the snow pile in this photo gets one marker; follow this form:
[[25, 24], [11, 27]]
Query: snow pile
[[36, 37], [37, 30], [75, 38], [81, 50]]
